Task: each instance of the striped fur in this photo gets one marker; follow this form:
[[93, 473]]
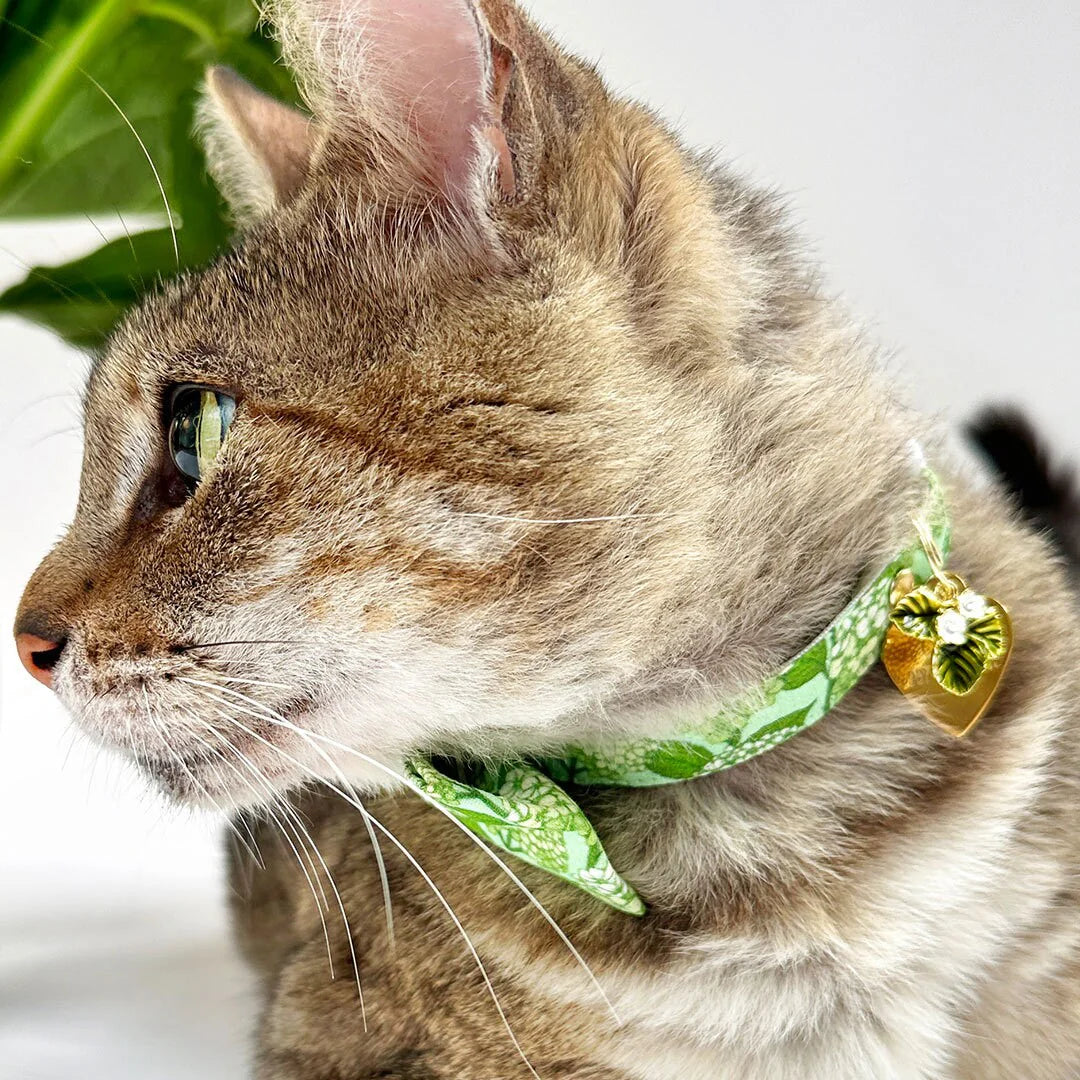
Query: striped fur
[[518, 465]]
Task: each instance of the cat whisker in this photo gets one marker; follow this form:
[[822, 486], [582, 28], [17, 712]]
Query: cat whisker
[[128, 734], [415, 863], [41, 400], [375, 843], [249, 843], [223, 644], [73, 430], [72, 734], [159, 727], [564, 521], [97, 228], [41, 275], [149, 158], [246, 839], [379, 861], [131, 245], [290, 813], [298, 823], [294, 814], [272, 717], [318, 895], [321, 905], [127, 121], [502, 865], [255, 682]]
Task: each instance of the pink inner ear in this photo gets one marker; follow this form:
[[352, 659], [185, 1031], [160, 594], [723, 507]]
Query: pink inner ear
[[424, 58]]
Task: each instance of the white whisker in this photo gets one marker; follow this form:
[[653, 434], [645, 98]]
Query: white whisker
[[298, 823], [379, 861], [269, 807], [564, 521], [230, 823], [461, 930], [162, 731], [520, 885], [153, 168], [281, 805], [255, 682], [270, 716]]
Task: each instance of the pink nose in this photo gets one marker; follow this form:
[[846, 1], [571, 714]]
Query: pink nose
[[39, 656]]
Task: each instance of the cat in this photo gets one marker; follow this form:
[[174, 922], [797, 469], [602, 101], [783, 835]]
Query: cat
[[510, 423]]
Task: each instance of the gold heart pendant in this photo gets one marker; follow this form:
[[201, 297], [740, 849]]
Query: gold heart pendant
[[947, 648]]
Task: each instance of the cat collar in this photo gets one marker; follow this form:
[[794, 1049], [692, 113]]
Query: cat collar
[[943, 644]]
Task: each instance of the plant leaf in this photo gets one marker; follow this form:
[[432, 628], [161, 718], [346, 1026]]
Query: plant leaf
[[915, 613], [82, 300], [82, 158]]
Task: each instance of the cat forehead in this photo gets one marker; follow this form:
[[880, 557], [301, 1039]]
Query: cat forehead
[[270, 317], [294, 314]]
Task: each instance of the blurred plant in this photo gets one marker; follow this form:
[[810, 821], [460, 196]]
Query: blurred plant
[[97, 107]]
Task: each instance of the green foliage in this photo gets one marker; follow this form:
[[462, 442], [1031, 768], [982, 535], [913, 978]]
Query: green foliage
[[92, 92]]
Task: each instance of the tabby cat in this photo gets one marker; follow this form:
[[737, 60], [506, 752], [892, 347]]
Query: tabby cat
[[510, 424]]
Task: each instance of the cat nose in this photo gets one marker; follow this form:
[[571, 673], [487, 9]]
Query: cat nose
[[39, 655]]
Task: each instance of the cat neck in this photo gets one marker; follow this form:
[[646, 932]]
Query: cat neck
[[788, 829]]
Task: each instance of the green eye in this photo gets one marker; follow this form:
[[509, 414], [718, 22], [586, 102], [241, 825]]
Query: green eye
[[199, 421]]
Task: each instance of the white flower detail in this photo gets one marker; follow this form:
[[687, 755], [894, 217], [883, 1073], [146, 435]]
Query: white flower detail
[[952, 627], [971, 605]]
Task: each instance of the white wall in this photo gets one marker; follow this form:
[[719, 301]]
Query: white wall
[[114, 952], [932, 153]]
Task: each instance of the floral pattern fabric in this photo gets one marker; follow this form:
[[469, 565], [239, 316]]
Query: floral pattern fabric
[[525, 813]]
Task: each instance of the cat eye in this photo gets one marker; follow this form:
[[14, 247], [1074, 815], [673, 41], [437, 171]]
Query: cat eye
[[199, 420]]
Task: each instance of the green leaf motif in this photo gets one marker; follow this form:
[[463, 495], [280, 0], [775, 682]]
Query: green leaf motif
[[678, 760], [793, 720], [807, 667], [958, 668], [988, 632], [528, 815], [915, 613]]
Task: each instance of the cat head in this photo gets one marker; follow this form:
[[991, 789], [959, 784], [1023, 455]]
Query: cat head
[[456, 451]]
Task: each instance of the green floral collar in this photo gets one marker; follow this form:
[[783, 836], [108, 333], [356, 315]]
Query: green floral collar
[[521, 807]]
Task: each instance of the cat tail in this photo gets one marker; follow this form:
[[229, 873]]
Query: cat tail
[[1047, 493]]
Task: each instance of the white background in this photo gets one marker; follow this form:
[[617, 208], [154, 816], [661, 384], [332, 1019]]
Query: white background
[[932, 152]]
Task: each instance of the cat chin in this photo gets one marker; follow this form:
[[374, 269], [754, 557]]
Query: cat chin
[[202, 784]]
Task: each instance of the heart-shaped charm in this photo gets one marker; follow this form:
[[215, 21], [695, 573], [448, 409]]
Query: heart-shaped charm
[[947, 648]]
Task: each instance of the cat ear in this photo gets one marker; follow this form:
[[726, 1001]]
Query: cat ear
[[420, 84], [258, 149]]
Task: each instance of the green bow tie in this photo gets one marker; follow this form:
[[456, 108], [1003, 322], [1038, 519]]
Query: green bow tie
[[521, 808]]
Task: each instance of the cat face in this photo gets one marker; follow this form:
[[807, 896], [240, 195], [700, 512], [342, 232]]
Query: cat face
[[506, 424], [434, 442]]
